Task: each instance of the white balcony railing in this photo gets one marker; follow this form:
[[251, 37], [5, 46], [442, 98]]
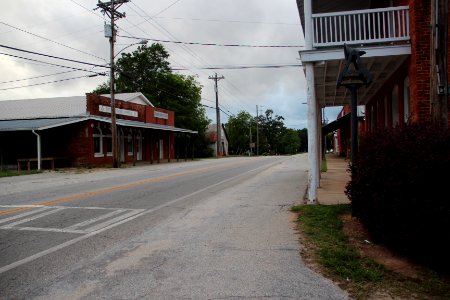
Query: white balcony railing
[[367, 26]]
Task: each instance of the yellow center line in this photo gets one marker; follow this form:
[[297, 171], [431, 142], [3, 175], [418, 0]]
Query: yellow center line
[[113, 189]]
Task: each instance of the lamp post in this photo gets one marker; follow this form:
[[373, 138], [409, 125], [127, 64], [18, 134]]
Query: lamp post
[[353, 79], [141, 42]]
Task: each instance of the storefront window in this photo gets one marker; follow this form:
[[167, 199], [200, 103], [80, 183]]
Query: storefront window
[[130, 144], [108, 142], [98, 143]]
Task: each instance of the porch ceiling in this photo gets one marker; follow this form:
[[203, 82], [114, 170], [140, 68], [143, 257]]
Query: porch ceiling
[[326, 74]]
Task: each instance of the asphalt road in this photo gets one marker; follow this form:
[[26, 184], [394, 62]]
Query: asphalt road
[[210, 229]]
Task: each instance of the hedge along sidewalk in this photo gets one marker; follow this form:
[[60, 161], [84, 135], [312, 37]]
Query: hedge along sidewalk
[[333, 181]]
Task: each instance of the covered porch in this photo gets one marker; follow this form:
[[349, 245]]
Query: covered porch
[[382, 32]]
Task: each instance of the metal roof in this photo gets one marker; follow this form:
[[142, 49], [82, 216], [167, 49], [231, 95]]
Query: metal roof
[[47, 123], [37, 124], [58, 107], [43, 108]]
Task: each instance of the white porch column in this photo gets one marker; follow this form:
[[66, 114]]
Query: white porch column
[[39, 155], [313, 150], [313, 108]]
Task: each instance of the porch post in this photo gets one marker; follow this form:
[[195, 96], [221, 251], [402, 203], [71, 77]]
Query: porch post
[[313, 132], [39, 155]]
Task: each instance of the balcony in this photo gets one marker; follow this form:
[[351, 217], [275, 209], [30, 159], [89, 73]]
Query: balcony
[[369, 26]]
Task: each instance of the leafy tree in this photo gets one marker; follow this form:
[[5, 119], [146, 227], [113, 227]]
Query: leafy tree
[[303, 135], [290, 142], [147, 70], [272, 128], [239, 132]]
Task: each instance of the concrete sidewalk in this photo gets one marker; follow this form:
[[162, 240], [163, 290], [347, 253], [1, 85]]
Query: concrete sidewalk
[[333, 182]]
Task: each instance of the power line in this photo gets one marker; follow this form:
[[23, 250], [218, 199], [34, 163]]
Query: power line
[[51, 56], [171, 36], [242, 67], [230, 21], [190, 52], [213, 44], [23, 79], [51, 64], [47, 39], [219, 108], [42, 83], [175, 2]]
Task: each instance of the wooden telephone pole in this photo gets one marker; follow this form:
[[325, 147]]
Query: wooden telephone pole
[[219, 129], [110, 9]]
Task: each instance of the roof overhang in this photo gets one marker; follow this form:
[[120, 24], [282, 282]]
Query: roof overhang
[[37, 124], [128, 123], [318, 56], [381, 61], [43, 124]]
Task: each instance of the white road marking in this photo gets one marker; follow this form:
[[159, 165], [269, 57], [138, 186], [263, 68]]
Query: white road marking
[[63, 230], [10, 225], [114, 220], [95, 220], [19, 216], [145, 212]]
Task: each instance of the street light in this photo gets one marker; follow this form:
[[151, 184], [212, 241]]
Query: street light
[[141, 42]]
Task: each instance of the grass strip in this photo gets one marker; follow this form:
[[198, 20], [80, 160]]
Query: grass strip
[[322, 227], [322, 234]]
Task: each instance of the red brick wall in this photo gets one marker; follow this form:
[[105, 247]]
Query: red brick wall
[[94, 101], [419, 69], [150, 116], [377, 101]]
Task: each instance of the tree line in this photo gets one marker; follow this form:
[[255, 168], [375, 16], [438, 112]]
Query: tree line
[[268, 133], [147, 70]]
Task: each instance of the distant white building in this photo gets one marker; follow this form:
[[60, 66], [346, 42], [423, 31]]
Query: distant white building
[[212, 134]]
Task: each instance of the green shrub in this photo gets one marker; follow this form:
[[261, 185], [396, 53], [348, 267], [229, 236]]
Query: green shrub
[[399, 190]]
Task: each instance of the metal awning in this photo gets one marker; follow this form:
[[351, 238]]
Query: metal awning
[[42, 124], [37, 124], [129, 123]]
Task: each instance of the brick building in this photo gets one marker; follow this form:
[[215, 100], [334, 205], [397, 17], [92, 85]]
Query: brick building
[[76, 131], [406, 49]]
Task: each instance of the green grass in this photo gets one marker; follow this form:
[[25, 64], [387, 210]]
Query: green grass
[[7, 173], [322, 233], [323, 228]]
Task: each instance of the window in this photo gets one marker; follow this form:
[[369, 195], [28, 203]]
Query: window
[[130, 144], [98, 142], [395, 115], [406, 105], [108, 142]]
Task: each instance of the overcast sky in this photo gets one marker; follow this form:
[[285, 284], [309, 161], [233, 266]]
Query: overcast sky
[[72, 29]]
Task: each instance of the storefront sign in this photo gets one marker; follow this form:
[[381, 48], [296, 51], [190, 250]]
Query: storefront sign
[[161, 115], [119, 111]]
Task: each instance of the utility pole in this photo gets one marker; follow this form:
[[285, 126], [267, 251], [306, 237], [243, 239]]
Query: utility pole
[[257, 130], [110, 9], [250, 144], [219, 131]]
